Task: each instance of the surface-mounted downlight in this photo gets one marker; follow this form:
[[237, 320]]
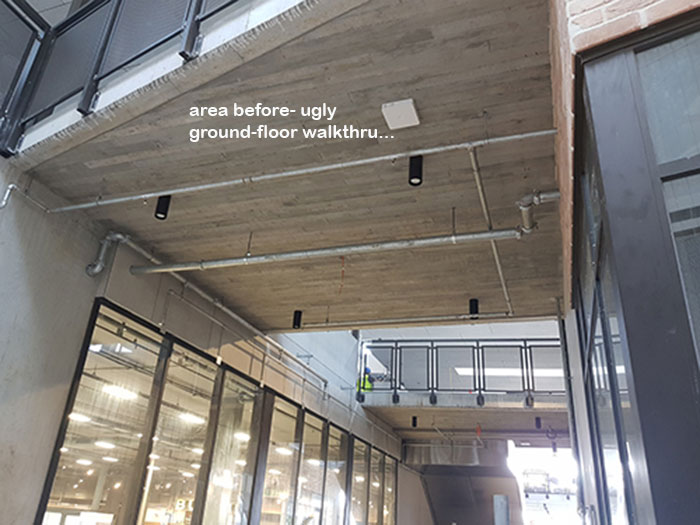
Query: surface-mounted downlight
[[473, 306], [296, 322], [415, 170], [162, 207]]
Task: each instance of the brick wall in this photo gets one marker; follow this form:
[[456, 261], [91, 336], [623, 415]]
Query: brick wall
[[578, 25]]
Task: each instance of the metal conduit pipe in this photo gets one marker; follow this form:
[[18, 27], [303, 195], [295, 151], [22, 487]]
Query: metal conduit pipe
[[95, 268], [463, 238], [12, 188], [527, 203], [409, 320], [126, 240], [99, 201], [489, 224]]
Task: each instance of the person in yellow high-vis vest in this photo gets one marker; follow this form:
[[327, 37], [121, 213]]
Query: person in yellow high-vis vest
[[366, 382]]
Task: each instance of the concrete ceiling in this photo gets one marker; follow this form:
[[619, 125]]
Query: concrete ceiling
[[476, 69]]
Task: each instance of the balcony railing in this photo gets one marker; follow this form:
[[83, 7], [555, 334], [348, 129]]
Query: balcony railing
[[45, 66], [471, 367]]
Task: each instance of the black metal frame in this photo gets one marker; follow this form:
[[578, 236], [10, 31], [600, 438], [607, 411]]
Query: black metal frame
[[634, 220], [38, 55], [259, 445]]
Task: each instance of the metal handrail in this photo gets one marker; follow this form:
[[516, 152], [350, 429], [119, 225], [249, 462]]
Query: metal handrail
[[394, 379], [16, 121]]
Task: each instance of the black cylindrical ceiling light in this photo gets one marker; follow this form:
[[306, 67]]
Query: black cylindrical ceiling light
[[296, 322], [415, 170], [473, 306], [162, 207]]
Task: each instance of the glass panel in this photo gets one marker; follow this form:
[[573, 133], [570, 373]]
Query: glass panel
[[683, 204], [670, 77], [310, 485], [378, 367], [359, 483], [607, 432], [178, 442], [375, 489], [336, 475], [503, 369], [15, 36], [97, 466], [455, 368], [548, 369], [281, 465], [233, 462], [389, 491], [414, 367]]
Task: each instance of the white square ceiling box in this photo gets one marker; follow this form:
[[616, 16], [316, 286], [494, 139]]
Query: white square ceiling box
[[400, 114]]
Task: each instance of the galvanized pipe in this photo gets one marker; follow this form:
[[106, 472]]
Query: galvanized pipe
[[425, 242], [407, 320], [12, 188], [99, 201], [95, 268], [526, 204], [489, 225]]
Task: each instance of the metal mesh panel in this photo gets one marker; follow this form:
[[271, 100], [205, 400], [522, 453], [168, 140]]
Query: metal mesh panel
[[70, 61], [15, 36], [142, 23], [212, 5], [381, 369], [547, 368], [414, 367], [502, 368], [455, 368]]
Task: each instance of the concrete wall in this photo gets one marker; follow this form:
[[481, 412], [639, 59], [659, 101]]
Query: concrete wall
[[414, 508], [45, 302], [333, 354]]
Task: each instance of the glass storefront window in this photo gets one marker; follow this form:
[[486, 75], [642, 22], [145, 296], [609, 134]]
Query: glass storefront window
[[336, 476], [175, 458], [682, 198], [280, 475], [670, 79], [389, 491], [360, 464], [607, 432], [310, 483], [97, 464], [153, 417], [233, 461], [376, 474]]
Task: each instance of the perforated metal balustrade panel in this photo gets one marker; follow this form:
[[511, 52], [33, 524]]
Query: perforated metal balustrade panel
[[212, 5], [70, 61], [15, 36], [140, 24]]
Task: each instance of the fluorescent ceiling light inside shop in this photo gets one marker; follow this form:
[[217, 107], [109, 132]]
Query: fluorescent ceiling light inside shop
[[191, 418], [242, 436], [282, 451], [510, 372], [119, 392], [105, 444], [80, 418]]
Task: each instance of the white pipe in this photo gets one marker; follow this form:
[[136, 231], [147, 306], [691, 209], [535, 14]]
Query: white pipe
[[196, 289], [526, 204], [8, 193], [99, 201], [442, 240], [489, 224], [408, 320]]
